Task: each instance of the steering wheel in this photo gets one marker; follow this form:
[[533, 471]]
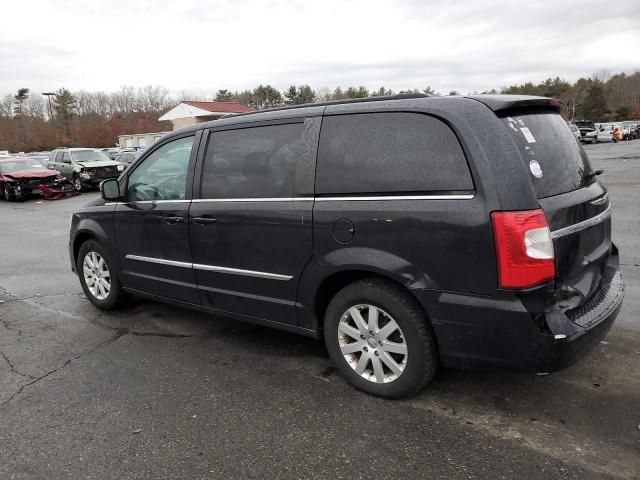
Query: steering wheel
[[145, 192], [172, 188]]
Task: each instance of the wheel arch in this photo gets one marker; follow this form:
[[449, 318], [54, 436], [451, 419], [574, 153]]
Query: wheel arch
[[340, 279], [89, 229]]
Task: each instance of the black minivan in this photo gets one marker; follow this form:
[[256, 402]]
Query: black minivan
[[406, 231]]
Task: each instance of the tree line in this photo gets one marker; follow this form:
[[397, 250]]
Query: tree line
[[31, 121]]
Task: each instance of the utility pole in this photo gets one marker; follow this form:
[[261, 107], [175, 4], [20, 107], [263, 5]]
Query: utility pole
[[49, 95]]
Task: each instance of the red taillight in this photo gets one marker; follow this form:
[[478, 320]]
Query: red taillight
[[524, 248]]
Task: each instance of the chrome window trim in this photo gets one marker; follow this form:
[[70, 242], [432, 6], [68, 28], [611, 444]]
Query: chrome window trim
[[398, 197], [465, 196], [211, 268], [577, 227]]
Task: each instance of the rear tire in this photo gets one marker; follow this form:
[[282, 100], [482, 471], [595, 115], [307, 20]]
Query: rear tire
[[99, 281], [380, 339]]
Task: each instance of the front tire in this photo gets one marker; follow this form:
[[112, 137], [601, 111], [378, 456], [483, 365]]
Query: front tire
[[77, 182], [8, 194], [380, 339], [100, 283]]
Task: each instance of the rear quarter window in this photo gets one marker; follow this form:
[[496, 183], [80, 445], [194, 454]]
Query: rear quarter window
[[554, 158], [389, 153]]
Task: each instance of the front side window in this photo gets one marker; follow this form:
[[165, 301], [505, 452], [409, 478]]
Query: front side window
[[66, 158], [257, 162], [163, 174], [387, 153]]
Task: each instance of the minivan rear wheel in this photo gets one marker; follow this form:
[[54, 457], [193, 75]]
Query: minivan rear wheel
[[100, 283], [380, 339]]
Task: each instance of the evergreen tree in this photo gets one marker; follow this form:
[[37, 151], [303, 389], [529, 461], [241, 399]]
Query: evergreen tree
[[224, 96], [19, 100], [64, 105], [291, 94], [595, 103]]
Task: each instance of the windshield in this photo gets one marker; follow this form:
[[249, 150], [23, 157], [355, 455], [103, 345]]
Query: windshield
[[20, 166], [554, 156], [89, 156]]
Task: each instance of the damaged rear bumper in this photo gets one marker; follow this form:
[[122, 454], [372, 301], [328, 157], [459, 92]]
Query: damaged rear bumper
[[500, 332]]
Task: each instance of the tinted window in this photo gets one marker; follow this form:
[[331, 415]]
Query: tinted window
[[389, 152], [546, 139], [59, 157], [257, 162], [66, 158], [163, 174]]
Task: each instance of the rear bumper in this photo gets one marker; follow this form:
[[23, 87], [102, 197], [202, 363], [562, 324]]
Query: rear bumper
[[499, 332]]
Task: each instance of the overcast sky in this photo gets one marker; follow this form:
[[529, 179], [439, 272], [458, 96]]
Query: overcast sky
[[202, 46]]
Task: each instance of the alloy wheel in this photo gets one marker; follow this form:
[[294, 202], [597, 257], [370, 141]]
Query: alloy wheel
[[78, 183], [372, 343], [96, 275]]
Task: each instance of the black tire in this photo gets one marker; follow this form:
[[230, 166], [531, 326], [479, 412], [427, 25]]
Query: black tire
[[77, 182], [417, 332], [595, 140], [116, 296], [8, 195]]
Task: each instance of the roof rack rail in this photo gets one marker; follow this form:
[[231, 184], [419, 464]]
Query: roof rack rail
[[400, 96]]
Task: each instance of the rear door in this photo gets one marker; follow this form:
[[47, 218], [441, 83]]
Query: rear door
[[576, 205], [251, 227]]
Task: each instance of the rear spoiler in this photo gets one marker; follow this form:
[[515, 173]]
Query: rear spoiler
[[498, 103]]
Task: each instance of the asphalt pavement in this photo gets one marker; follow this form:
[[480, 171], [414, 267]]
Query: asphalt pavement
[[155, 391]]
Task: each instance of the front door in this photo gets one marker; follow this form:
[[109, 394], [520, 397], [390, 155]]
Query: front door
[[151, 224], [251, 228]]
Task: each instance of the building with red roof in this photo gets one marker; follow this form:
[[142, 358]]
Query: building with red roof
[[190, 112]]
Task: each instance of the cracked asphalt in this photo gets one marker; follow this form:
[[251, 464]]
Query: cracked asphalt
[[155, 391]]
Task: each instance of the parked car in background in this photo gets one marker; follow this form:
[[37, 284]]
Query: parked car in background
[[23, 177], [126, 158], [375, 224], [604, 132], [587, 130], [629, 130], [85, 167], [576, 132], [112, 152]]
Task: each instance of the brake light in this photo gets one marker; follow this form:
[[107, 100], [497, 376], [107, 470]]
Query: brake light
[[524, 248]]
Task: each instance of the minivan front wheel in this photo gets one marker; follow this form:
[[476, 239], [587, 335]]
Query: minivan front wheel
[[380, 339], [99, 282]]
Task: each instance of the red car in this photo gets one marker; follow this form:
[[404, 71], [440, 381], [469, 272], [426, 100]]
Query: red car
[[25, 177]]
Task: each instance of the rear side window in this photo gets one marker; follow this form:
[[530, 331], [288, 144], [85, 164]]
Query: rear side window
[[257, 162], [555, 159], [389, 153]]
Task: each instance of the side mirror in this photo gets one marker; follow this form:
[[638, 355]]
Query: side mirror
[[110, 190]]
